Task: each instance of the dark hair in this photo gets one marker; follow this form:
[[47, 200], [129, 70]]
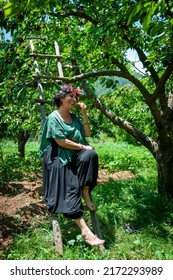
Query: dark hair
[[57, 97], [62, 93]]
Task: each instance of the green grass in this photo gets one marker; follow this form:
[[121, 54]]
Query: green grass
[[122, 156], [14, 167], [132, 201]]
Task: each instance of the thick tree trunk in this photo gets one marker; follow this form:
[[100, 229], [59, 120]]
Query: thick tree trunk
[[164, 154], [23, 136], [165, 173]]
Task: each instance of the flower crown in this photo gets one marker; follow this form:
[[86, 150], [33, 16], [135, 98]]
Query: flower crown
[[69, 89]]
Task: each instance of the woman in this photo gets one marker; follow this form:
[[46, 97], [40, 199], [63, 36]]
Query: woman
[[70, 164]]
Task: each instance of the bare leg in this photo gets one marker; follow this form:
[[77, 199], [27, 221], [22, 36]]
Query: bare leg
[[86, 197], [87, 234]]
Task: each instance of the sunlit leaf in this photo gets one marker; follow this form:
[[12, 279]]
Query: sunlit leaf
[[8, 9], [134, 13], [146, 20], [149, 12], [71, 242]]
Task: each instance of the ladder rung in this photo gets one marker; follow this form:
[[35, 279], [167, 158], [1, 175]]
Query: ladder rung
[[45, 55], [42, 101], [49, 77]]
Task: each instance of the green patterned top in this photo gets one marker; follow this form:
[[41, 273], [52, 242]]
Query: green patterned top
[[55, 127]]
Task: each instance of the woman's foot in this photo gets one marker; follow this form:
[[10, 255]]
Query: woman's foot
[[86, 196], [87, 234], [92, 239]]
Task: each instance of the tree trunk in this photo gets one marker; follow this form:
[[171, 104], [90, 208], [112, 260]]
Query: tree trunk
[[23, 136], [165, 172]]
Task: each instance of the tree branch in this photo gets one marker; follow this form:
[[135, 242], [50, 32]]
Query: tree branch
[[84, 75], [45, 55], [126, 126], [120, 65], [150, 101], [42, 101], [143, 59], [109, 73], [76, 14], [163, 79], [160, 89], [146, 64], [88, 75]]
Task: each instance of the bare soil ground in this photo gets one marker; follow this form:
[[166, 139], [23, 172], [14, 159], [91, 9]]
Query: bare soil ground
[[21, 202]]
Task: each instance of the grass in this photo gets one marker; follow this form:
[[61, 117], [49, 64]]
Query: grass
[[133, 201]]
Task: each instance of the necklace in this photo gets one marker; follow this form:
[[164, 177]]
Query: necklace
[[67, 118]]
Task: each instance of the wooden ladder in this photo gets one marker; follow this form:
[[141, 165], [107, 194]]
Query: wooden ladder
[[55, 224]]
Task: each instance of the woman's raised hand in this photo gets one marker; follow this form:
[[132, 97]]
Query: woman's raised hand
[[82, 106]]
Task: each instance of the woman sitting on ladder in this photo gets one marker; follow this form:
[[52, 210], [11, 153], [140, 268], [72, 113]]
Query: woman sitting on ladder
[[70, 164]]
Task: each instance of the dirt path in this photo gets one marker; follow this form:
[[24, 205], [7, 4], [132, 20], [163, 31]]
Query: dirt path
[[21, 202]]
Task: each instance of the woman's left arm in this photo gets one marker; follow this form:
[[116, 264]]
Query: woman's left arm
[[85, 118]]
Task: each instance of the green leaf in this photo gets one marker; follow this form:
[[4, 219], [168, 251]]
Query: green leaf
[[157, 29], [134, 13], [79, 238], [146, 21], [137, 242], [8, 9], [150, 11], [71, 242]]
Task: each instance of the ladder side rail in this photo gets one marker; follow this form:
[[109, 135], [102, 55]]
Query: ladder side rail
[[39, 84], [59, 65]]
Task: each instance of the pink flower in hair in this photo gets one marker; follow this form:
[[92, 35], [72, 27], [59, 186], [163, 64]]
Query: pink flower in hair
[[77, 91], [69, 89]]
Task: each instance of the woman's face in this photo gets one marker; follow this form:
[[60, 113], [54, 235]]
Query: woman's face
[[69, 100]]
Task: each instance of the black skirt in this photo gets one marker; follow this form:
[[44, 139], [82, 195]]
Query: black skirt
[[62, 184]]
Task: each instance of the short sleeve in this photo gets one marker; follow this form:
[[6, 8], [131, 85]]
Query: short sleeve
[[52, 129]]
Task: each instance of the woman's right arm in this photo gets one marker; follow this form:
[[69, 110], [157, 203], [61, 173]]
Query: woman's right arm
[[68, 144]]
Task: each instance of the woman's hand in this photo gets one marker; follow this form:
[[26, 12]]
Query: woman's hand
[[85, 118], [82, 106], [87, 147]]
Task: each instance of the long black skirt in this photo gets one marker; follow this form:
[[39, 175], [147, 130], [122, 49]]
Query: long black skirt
[[62, 184]]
